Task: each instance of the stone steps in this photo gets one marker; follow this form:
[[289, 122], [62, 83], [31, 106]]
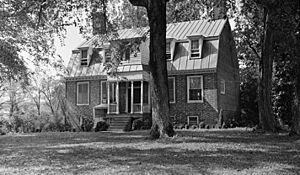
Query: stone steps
[[118, 123]]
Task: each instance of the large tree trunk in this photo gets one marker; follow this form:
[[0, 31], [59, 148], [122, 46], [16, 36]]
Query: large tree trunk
[[266, 117], [161, 125], [295, 129]]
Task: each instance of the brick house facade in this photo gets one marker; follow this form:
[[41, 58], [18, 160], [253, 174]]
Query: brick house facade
[[202, 68]]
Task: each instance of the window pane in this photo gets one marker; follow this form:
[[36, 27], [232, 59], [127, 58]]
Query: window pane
[[104, 93], [145, 94], [84, 54], [193, 120], [195, 55], [168, 47], [107, 55], [195, 82], [195, 44], [112, 92], [171, 89], [195, 94], [168, 56], [137, 95], [82, 94]]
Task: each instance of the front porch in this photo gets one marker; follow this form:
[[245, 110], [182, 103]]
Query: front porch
[[128, 97]]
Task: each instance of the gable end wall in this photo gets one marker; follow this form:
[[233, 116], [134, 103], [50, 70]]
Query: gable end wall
[[228, 70]]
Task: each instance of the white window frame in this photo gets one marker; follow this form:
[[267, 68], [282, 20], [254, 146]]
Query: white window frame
[[102, 92], [170, 51], [188, 87], [174, 89], [108, 50], [198, 38], [84, 60], [88, 93], [188, 119], [222, 86], [195, 51]]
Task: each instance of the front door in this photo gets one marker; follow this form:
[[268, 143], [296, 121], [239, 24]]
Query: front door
[[122, 97]]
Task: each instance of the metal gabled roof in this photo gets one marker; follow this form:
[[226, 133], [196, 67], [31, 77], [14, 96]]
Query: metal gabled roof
[[181, 61], [206, 28], [180, 31]]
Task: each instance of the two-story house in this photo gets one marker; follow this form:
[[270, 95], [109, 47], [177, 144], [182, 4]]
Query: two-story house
[[202, 70]]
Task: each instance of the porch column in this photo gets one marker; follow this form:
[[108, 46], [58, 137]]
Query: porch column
[[131, 98], [108, 98], [117, 98], [142, 90], [126, 109]]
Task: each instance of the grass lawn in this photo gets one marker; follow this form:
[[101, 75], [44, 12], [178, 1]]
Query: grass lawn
[[233, 151]]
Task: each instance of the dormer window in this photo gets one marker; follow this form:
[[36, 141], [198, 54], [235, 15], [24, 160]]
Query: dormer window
[[170, 48], [196, 43], [107, 55], [126, 55], [168, 51], [84, 57], [195, 51]]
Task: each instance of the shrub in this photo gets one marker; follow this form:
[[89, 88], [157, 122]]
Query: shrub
[[101, 126], [128, 126], [231, 123], [186, 126], [137, 124], [194, 127], [201, 125], [87, 124], [147, 123], [3, 130]]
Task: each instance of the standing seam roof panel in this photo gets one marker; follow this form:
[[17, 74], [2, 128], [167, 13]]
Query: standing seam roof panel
[[220, 27], [179, 30], [210, 27], [198, 24], [190, 27], [213, 32]]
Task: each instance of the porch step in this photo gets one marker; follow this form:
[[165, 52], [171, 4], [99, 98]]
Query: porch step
[[118, 123]]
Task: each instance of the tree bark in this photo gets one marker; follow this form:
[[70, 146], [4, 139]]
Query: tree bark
[[161, 125], [295, 128], [266, 116]]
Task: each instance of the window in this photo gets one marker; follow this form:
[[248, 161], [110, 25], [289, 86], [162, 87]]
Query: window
[[168, 51], [193, 120], [195, 89], [103, 92], [223, 86], [196, 44], [171, 84], [112, 93], [82, 93], [137, 92], [195, 49], [84, 57], [126, 55], [107, 55]]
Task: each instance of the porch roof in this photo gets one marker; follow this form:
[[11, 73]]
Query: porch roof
[[130, 76]]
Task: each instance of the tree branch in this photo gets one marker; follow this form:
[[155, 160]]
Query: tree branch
[[142, 3], [253, 49]]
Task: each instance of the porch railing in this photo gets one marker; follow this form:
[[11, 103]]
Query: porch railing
[[112, 108], [136, 108]]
